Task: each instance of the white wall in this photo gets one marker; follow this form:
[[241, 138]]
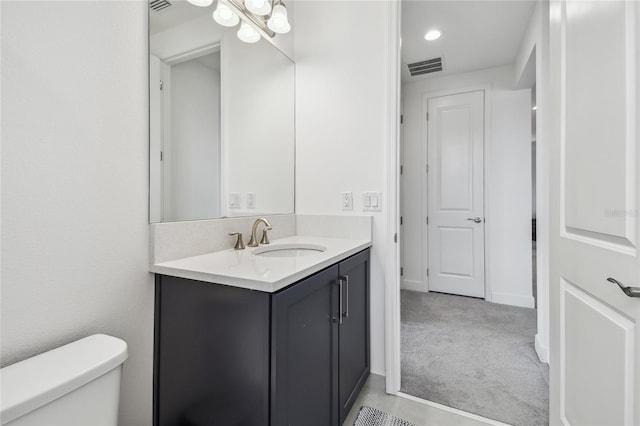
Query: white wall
[[341, 126], [75, 183], [507, 181], [192, 152]]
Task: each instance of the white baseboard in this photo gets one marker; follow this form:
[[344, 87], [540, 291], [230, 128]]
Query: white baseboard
[[541, 349], [452, 410], [377, 372], [413, 285], [513, 299]]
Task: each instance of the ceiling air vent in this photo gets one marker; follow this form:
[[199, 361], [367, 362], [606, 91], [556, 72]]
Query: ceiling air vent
[[158, 5], [425, 67]]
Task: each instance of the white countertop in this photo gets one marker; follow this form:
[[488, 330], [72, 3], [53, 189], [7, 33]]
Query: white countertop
[[241, 268]]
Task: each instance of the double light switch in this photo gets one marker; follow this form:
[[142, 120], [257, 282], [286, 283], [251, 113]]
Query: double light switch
[[371, 201]]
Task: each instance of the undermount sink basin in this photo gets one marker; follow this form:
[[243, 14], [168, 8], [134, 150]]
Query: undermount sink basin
[[289, 250]]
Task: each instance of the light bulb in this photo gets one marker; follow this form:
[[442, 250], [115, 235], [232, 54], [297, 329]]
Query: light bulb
[[201, 3], [258, 7], [247, 34], [224, 16], [432, 35], [278, 22]]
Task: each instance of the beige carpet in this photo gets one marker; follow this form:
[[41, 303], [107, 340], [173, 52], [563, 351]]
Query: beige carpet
[[473, 355]]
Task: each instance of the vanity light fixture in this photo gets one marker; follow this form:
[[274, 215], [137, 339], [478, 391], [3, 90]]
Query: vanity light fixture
[[247, 34], [225, 16], [432, 35], [258, 7], [260, 18], [201, 3], [279, 22]]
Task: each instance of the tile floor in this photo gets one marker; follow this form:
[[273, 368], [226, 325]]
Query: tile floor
[[373, 395]]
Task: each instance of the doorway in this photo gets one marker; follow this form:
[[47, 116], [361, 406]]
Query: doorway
[[443, 286], [185, 134]]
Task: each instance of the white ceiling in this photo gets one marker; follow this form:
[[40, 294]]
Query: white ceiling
[[476, 34]]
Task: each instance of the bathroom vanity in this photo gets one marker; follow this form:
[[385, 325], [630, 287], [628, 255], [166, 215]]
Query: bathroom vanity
[[262, 340]]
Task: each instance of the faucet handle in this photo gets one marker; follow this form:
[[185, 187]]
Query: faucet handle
[[265, 237], [239, 243]]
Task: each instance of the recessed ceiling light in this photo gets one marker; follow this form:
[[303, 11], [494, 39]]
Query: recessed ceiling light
[[534, 107], [432, 35]]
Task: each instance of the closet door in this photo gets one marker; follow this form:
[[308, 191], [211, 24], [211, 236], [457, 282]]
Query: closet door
[[456, 194]]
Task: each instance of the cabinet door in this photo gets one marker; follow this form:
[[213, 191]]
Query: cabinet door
[[211, 354], [304, 347], [354, 352]]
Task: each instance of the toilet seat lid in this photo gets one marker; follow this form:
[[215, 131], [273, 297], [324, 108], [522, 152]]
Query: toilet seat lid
[[27, 385]]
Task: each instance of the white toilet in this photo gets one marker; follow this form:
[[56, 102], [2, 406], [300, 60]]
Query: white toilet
[[74, 385]]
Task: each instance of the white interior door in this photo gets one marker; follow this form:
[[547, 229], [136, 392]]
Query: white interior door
[[595, 330], [455, 141]]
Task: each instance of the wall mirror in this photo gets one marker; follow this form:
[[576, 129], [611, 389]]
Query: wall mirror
[[221, 119]]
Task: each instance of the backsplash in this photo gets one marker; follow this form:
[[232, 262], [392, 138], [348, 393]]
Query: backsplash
[[177, 240]]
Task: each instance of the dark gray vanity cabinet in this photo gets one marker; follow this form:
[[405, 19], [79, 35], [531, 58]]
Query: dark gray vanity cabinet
[[231, 356]]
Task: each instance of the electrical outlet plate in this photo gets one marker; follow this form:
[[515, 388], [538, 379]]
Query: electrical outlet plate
[[234, 200], [346, 200]]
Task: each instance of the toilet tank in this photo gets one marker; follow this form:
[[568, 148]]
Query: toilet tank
[[75, 384]]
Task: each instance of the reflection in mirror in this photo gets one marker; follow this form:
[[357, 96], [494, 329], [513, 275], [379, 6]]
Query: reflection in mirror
[[221, 120]]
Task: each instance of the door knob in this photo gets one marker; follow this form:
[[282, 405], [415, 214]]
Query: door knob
[[475, 219], [629, 291]]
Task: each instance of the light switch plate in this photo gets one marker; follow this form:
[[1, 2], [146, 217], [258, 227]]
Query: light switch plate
[[371, 201], [251, 200], [366, 200]]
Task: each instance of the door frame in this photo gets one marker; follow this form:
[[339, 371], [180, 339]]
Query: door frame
[[392, 274], [424, 181]]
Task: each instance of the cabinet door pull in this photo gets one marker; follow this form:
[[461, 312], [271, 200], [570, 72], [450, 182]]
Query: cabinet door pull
[[339, 319], [345, 313]]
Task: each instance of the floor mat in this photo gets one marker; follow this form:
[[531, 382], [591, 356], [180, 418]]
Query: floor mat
[[368, 416]]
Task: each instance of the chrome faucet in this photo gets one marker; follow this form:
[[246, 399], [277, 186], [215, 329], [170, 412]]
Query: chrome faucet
[[253, 241]]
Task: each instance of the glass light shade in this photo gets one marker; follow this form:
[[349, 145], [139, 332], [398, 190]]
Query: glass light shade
[[224, 16], [258, 7], [247, 34], [278, 23], [201, 3]]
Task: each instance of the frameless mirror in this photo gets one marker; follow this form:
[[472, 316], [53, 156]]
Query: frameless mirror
[[221, 119]]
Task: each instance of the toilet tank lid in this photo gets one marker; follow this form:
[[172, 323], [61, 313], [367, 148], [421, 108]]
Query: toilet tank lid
[[34, 382]]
